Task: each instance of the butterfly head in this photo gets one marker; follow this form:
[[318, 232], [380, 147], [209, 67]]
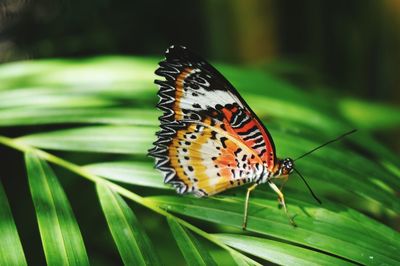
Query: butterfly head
[[285, 167]]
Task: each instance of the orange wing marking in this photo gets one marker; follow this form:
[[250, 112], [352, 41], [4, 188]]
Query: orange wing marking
[[180, 80]]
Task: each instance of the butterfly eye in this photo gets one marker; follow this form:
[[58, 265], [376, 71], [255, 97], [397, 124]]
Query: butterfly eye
[[288, 163]]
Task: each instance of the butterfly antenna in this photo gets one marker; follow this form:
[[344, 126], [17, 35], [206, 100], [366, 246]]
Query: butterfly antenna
[[309, 188], [329, 142]]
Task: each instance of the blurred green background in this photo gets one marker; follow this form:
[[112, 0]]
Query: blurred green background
[[335, 49], [351, 46]]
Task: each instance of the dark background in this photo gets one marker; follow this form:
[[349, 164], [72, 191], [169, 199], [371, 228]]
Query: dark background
[[352, 46]]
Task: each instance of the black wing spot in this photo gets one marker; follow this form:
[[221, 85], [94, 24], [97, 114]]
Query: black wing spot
[[223, 140], [213, 135], [194, 116], [237, 151]]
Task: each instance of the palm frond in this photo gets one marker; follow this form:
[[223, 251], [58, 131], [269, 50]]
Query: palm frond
[[61, 237], [11, 252], [193, 251], [132, 241], [104, 109]]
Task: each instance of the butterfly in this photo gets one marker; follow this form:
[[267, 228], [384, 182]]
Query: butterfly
[[210, 139]]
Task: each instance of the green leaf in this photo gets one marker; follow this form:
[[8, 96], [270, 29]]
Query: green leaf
[[342, 167], [11, 252], [370, 115], [333, 228], [119, 91], [294, 111], [111, 139], [377, 149], [193, 251], [101, 73], [61, 237], [47, 98], [132, 242], [135, 173], [279, 252], [38, 116], [240, 261]]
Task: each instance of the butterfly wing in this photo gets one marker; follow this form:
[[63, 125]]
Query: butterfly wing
[[204, 159], [195, 95]]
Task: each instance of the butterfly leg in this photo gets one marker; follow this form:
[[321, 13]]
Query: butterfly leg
[[284, 180], [281, 200], [246, 205]]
